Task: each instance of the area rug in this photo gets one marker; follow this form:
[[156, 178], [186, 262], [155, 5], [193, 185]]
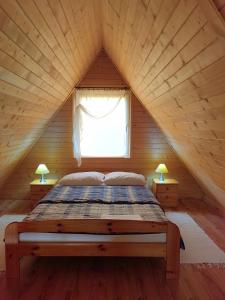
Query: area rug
[[4, 221], [199, 248]]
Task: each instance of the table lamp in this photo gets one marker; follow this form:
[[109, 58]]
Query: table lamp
[[162, 169], [42, 170]]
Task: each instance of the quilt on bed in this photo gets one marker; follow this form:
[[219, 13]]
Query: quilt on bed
[[80, 202]]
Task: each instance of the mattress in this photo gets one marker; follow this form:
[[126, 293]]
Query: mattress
[[91, 238]]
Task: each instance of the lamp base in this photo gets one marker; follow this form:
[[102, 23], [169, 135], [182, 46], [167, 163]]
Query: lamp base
[[42, 178], [161, 178]]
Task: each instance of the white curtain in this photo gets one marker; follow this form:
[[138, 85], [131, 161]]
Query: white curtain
[[84, 101]]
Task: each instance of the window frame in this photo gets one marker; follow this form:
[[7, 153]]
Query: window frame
[[128, 128]]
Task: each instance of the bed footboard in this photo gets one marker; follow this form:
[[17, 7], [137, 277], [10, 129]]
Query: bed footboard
[[12, 257], [173, 251], [16, 249]]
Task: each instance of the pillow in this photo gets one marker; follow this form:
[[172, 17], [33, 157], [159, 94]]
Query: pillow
[[83, 178], [124, 178]]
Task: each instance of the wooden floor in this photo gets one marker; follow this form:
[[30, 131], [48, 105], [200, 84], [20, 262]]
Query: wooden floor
[[121, 278]]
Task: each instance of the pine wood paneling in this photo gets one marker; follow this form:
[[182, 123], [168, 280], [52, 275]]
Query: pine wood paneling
[[220, 4], [102, 73], [45, 49], [171, 52], [149, 145], [173, 58]]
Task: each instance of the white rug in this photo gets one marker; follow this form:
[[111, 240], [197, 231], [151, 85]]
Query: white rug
[[4, 221], [199, 248]]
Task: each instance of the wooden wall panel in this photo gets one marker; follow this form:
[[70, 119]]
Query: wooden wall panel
[[45, 49], [220, 4], [173, 57], [149, 146]]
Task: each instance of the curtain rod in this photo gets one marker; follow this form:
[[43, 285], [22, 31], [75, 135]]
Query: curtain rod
[[102, 88]]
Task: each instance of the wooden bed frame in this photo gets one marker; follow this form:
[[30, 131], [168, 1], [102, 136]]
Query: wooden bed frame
[[15, 249]]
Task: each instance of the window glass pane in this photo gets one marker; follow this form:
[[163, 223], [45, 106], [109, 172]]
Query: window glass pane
[[105, 136]]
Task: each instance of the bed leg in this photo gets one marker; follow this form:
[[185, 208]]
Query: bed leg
[[173, 252], [11, 252], [12, 263]]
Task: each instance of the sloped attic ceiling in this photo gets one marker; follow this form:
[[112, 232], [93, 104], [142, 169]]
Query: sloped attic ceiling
[[173, 56], [167, 50], [45, 49]]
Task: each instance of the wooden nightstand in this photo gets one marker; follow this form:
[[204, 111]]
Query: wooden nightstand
[[38, 190], [166, 192]]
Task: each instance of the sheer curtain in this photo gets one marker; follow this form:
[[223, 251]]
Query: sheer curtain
[[98, 114]]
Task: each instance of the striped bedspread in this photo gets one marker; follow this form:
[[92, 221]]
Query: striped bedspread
[[80, 202], [100, 194]]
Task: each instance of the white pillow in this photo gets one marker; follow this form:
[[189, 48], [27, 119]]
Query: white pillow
[[83, 178], [124, 178]]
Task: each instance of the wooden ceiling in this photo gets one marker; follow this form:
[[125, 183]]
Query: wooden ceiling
[[174, 60], [171, 52], [45, 49]]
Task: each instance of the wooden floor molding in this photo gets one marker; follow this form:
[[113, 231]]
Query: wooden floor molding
[[122, 278]]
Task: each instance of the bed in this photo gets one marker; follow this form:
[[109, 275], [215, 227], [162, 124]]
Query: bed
[[94, 221]]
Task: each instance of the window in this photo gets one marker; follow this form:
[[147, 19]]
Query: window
[[101, 123]]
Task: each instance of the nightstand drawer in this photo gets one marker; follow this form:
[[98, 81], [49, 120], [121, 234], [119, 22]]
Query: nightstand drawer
[[40, 189], [39, 195], [36, 198], [169, 203], [166, 192], [167, 196], [167, 188]]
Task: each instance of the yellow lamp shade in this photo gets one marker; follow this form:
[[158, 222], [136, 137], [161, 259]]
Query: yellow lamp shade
[[42, 169], [161, 169]]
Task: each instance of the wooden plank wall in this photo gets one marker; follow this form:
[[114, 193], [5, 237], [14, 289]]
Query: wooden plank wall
[[175, 63], [149, 145], [45, 49], [220, 4]]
